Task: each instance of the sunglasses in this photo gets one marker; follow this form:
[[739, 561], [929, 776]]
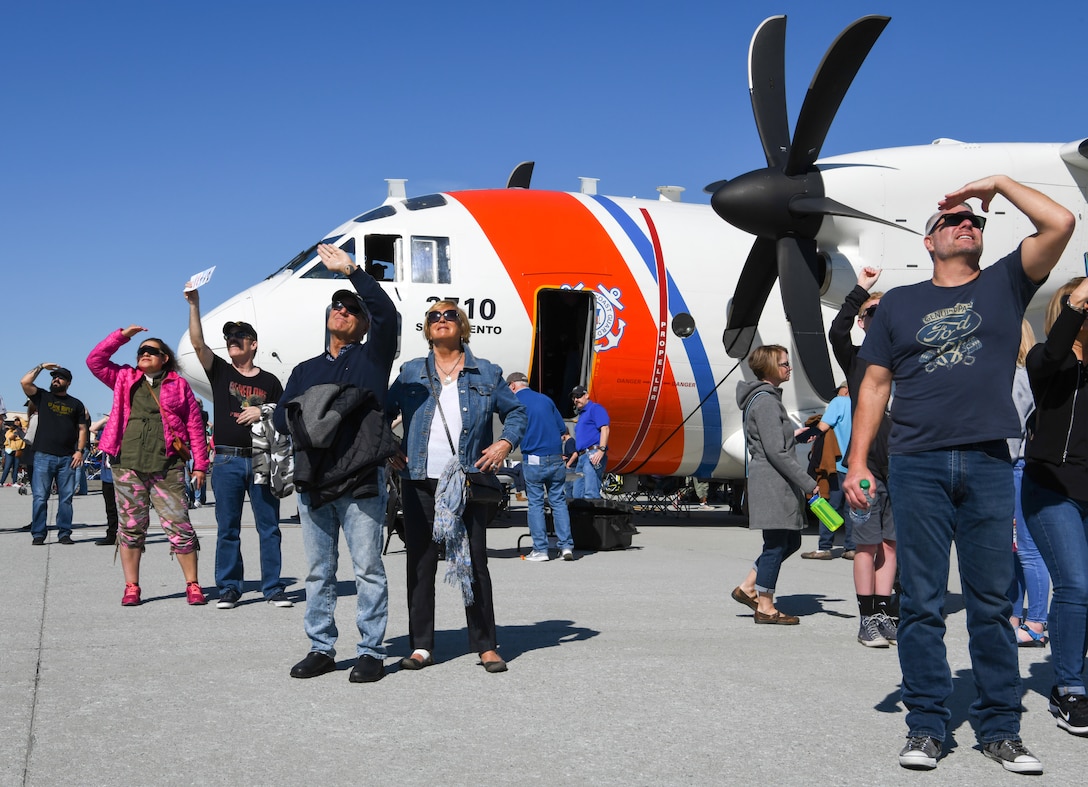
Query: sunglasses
[[150, 349], [449, 315], [869, 312], [350, 308], [956, 219], [239, 335]]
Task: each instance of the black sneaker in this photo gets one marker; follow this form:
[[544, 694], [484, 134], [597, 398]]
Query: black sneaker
[[280, 600], [228, 599], [920, 753], [367, 669], [1071, 711], [1013, 756], [39, 541], [66, 540]]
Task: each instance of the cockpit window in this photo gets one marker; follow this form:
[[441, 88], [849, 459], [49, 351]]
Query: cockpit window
[[430, 260], [424, 202], [301, 259], [385, 211]]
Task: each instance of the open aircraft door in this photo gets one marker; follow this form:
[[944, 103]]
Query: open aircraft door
[[562, 344]]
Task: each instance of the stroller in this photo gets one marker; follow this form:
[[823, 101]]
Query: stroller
[[22, 480]]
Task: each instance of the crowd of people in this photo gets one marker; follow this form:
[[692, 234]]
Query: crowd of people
[[982, 445]]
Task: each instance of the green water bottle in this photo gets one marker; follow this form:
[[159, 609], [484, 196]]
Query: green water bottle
[[824, 512]]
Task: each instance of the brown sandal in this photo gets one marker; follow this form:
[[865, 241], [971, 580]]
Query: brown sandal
[[743, 598]]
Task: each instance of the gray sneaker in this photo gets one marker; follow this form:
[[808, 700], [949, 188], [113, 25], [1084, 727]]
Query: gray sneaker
[[920, 753], [869, 633], [1013, 756], [887, 626]]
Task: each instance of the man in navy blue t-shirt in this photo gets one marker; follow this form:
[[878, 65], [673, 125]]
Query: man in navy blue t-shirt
[[950, 346]]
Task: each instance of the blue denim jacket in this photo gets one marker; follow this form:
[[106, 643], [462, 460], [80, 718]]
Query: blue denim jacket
[[483, 393]]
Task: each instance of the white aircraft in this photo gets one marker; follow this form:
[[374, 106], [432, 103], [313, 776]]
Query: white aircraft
[[633, 297]]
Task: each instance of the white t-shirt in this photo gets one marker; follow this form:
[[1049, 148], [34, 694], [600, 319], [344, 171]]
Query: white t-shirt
[[438, 447]]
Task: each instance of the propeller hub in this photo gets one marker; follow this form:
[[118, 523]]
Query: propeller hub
[[759, 203]]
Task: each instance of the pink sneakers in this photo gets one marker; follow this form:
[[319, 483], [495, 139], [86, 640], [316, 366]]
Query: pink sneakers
[[132, 595], [194, 595]]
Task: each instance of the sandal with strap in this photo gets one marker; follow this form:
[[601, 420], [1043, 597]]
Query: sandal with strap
[[1037, 639]]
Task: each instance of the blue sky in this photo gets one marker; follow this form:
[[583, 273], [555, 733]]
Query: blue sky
[[144, 141]]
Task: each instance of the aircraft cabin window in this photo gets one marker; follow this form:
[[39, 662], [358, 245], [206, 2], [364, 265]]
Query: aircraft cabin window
[[319, 271], [430, 260], [424, 202], [385, 211], [382, 253]]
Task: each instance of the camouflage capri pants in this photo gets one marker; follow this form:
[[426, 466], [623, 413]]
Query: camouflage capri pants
[[136, 492]]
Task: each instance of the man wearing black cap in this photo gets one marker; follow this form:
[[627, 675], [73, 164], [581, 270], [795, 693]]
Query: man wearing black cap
[[242, 394], [591, 435], [59, 441], [347, 361]]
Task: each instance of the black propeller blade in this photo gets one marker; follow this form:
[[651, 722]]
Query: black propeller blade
[[785, 204]]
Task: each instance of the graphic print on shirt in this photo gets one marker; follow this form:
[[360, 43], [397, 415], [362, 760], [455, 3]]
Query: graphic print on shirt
[[950, 332], [243, 396]]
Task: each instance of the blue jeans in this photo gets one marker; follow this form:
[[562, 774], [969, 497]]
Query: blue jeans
[[46, 468], [1031, 575], [11, 464], [589, 484], [838, 502], [232, 478], [549, 477], [961, 494], [777, 546], [361, 520], [1059, 526]]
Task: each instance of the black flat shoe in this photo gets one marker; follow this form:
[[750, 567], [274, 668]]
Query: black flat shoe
[[411, 662], [108, 541], [367, 670], [313, 665]]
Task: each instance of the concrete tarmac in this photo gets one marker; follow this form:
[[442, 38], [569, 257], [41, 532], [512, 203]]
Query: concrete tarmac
[[628, 667]]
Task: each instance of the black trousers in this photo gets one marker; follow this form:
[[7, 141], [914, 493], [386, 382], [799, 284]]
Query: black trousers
[[418, 501], [110, 502]]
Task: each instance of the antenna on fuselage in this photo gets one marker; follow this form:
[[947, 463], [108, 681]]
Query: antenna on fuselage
[[521, 176]]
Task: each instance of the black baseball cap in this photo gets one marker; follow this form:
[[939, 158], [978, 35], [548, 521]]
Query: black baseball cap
[[350, 296], [60, 371], [578, 392], [240, 327]]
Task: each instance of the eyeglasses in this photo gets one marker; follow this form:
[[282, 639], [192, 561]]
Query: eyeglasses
[[350, 308], [956, 219], [449, 315], [150, 349], [237, 335], [868, 313], [785, 365]]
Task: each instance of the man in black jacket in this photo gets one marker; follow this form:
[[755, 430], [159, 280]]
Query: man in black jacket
[[347, 361]]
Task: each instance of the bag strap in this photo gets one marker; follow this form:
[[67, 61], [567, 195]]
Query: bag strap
[[438, 401], [744, 427]]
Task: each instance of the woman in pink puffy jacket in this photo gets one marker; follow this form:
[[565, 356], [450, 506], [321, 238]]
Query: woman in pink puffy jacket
[[154, 425]]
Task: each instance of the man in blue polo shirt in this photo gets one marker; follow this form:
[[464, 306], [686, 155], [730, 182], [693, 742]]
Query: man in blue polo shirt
[[543, 468], [591, 435]]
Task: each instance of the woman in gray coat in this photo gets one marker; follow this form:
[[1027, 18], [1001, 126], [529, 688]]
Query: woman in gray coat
[[777, 484]]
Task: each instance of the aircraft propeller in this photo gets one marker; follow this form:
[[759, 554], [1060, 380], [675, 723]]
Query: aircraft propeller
[[784, 204]]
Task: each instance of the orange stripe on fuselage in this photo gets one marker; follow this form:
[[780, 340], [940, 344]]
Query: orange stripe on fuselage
[[550, 239]]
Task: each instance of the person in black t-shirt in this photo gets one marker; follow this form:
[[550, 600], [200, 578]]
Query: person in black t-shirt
[[242, 394], [59, 441]]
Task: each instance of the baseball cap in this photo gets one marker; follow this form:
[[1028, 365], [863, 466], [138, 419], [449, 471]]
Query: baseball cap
[[60, 371], [578, 392], [241, 327], [350, 296], [517, 377]]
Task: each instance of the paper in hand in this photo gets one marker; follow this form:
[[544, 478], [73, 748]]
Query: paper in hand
[[199, 279]]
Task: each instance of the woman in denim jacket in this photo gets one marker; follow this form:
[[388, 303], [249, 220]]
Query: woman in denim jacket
[[448, 400]]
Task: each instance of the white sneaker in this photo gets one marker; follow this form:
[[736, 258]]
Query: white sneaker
[[568, 554], [537, 557]]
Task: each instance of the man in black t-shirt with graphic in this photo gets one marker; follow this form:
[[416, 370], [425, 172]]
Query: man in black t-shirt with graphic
[[242, 394], [59, 441]]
